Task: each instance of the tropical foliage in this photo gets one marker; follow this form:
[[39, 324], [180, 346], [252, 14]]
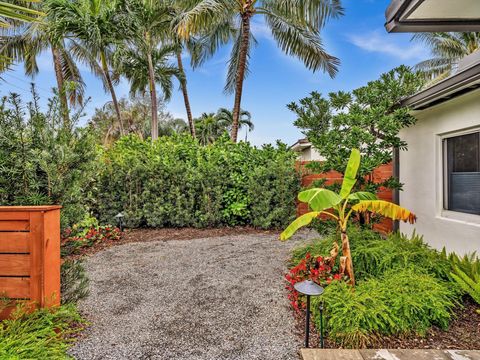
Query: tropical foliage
[[447, 50], [340, 207], [12, 11], [403, 287], [367, 118], [295, 27]]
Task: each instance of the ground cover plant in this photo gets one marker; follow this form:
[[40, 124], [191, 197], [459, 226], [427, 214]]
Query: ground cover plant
[[43, 334]]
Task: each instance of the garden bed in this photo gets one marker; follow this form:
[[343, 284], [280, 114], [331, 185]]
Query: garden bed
[[407, 295], [463, 333]]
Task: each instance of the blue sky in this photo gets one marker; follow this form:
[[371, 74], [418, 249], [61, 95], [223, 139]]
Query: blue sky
[[358, 39]]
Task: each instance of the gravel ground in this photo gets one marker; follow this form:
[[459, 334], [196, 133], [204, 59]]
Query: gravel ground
[[215, 298]]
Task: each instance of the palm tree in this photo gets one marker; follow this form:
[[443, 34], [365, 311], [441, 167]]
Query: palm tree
[[13, 11], [295, 25], [26, 43], [171, 126], [94, 34], [226, 116], [145, 61], [209, 128], [447, 50]]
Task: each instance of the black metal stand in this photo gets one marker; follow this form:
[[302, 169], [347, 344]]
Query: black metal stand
[[307, 322], [321, 325]]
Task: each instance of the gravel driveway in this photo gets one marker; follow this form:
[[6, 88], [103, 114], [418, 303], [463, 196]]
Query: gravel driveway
[[215, 298]]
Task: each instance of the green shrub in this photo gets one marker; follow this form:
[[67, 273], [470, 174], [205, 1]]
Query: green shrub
[[74, 281], [373, 255], [400, 302], [466, 273], [43, 334], [176, 182]]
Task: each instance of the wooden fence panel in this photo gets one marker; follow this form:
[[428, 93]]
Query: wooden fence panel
[[30, 255]]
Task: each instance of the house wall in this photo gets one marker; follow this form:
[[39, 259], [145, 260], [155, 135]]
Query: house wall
[[309, 154], [421, 171]]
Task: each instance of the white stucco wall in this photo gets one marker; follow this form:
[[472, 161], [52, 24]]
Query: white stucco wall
[[310, 154], [421, 171]]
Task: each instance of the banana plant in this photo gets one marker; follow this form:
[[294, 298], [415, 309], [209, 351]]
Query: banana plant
[[340, 207]]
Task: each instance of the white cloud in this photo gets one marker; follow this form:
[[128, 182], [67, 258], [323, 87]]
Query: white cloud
[[383, 43]]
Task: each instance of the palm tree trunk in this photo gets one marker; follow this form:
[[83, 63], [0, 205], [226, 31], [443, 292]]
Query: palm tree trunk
[[108, 79], [183, 85], [153, 97], [60, 85], [241, 73]]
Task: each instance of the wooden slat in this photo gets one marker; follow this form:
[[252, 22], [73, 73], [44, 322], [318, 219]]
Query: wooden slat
[[14, 265], [37, 257], [16, 288], [14, 242], [14, 215], [14, 225]]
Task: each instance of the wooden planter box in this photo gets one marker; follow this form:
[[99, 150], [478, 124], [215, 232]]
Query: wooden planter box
[[30, 255]]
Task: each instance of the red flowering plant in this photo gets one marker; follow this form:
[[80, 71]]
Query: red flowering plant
[[73, 241], [316, 269]]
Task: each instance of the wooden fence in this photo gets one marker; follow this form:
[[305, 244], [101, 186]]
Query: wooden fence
[[30, 255], [380, 174]]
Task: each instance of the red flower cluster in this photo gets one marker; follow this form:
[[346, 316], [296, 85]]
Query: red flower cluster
[[89, 237], [309, 268]]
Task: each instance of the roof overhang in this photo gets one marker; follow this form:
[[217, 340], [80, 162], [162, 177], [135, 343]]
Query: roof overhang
[[301, 145], [433, 16], [465, 80]]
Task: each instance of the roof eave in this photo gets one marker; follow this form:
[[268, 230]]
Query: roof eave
[[465, 81]]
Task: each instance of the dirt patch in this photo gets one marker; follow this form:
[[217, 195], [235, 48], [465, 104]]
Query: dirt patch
[[167, 234], [463, 333]]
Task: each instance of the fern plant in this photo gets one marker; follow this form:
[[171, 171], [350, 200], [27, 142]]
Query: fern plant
[[466, 273]]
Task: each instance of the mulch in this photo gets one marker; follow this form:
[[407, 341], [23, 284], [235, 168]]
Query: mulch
[[166, 234], [463, 333]]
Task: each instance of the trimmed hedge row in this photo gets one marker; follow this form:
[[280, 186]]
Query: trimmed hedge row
[[176, 182]]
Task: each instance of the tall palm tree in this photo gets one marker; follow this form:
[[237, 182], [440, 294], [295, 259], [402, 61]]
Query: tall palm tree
[[295, 25], [145, 67], [94, 34], [447, 50], [145, 60], [13, 11], [226, 116], [25, 43]]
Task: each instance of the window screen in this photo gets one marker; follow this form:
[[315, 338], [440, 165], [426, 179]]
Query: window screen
[[462, 173]]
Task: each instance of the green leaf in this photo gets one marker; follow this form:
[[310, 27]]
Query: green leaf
[[350, 176], [362, 195], [319, 199], [297, 224]]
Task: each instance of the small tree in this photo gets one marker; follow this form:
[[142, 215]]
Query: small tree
[[367, 118], [321, 200]]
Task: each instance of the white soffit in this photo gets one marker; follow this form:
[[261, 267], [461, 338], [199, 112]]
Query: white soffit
[[445, 9]]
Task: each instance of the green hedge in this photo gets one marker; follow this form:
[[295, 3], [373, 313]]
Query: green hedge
[[176, 182]]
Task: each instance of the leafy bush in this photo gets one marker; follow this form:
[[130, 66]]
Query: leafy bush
[[176, 182], [44, 161], [400, 302], [74, 281], [42, 334]]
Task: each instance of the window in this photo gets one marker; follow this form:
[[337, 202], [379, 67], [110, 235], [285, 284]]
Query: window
[[462, 173]]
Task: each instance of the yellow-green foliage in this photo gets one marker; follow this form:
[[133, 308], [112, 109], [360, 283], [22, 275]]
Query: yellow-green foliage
[[42, 334], [399, 302], [466, 273]]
